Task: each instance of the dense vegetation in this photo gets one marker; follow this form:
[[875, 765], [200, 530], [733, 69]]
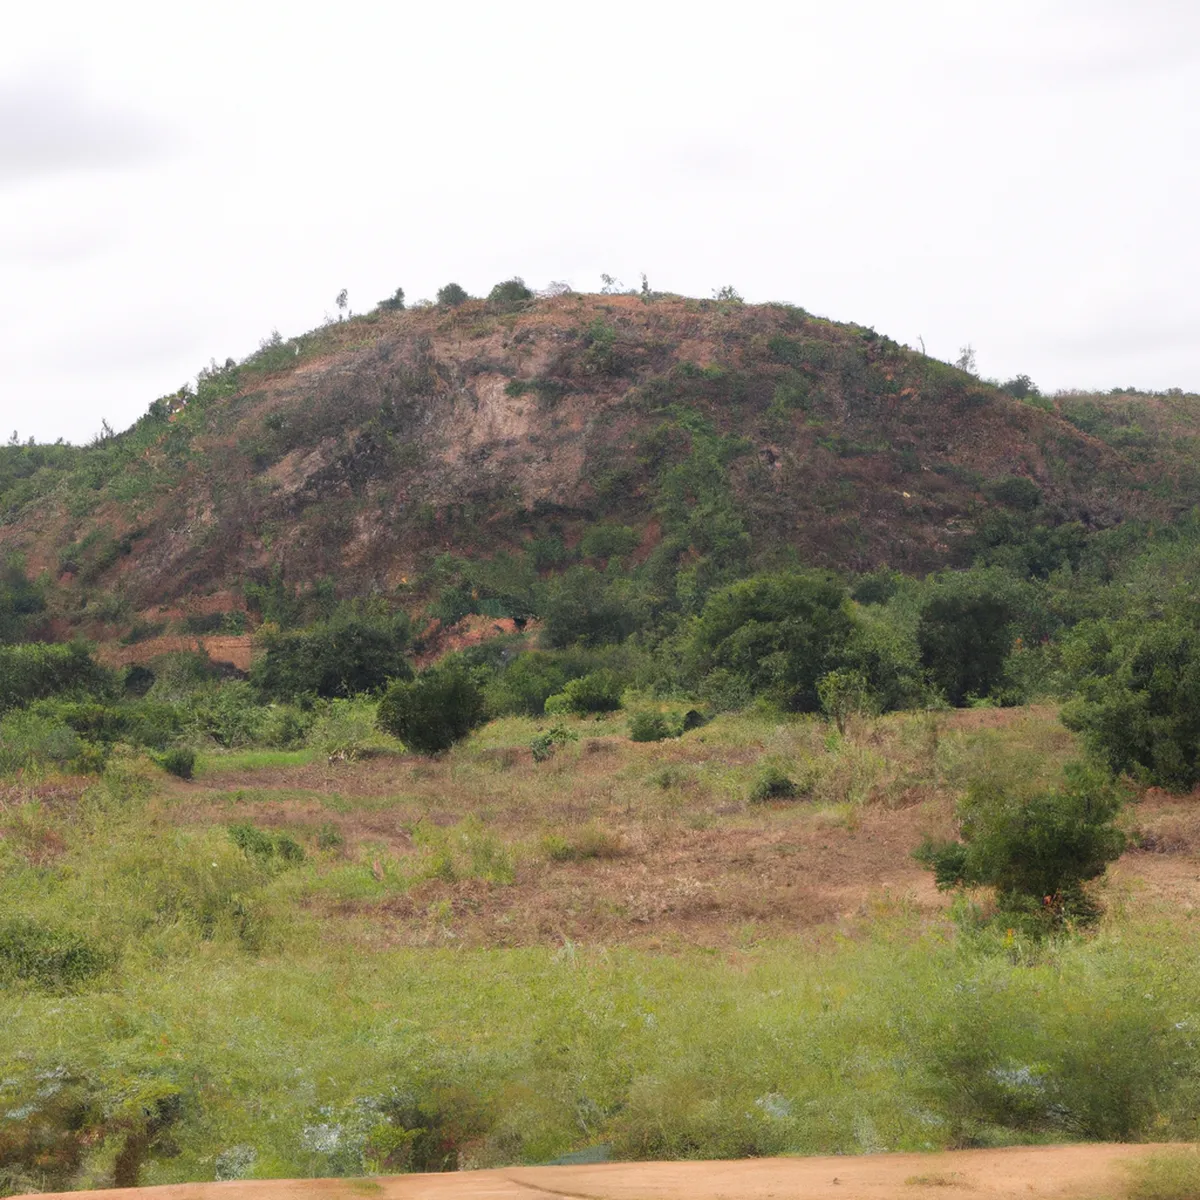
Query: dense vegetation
[[158, 969]]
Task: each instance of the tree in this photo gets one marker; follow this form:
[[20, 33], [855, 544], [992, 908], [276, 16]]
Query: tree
[[342, 300], [333, 659], [433, 711], [966, 359], [779, 634], [1139, 702], [395, 302], [451, 296], [1037, 849], [585, 607], [964, 634], [510, 292]]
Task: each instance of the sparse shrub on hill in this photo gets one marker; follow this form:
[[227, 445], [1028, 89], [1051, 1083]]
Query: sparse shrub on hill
[[432, 712], [510, 293], [21, 601], [180, 761], [451, 296], [1036, 848], [609, 541], [395, 302], [526, 684], [773, 783]]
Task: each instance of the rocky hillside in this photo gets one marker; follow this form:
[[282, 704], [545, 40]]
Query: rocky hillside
[[360, 452]]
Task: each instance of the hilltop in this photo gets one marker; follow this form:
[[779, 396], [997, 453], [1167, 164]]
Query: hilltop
[[354, 456]]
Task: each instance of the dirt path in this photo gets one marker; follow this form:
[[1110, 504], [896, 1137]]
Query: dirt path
[[1093, 1172]]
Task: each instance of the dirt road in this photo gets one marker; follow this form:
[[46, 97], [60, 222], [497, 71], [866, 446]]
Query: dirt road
[[1093, 1172]]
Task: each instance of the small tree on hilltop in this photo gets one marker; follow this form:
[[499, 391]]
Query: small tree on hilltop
[[510, 292], [395, 302], [451, 296]]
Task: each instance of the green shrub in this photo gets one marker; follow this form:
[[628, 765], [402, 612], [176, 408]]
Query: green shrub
[[39, 669], [598, 692], [964, 632], [524, 686], [451, 296], [591, 841], [46, 956], [779, 634], [179, 761], [267, 848], [587, 608], [773, 783], [649, 726], [1036, 848], [609, 541], [548, 741], [1139, 702], [343, 657], [510, 293], [29, 740], [433, 711], [344, 729], [395, 302]]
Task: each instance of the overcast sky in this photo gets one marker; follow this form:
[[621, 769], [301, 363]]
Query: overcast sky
[[176, 180]]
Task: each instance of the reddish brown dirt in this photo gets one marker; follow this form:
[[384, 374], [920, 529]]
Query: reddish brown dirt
[[236, 650], [1021, 1173]]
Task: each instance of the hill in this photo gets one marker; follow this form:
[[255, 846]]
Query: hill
[[692, 432]]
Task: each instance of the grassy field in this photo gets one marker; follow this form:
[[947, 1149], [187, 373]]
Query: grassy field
[[291, 966]]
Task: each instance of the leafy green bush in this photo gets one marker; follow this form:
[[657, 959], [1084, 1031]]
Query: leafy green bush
[[1138, 706], [544, 744], [46, 956], [432, 712], [965, 632], [342, 657], [779, 633], [773, 783], [179, 761], [525, 685], [395, 302], [646, 725], [451, 296], [587, 608], [40, 669], [344, 729], [597, 692], [1036, 848], [609, 541], [509, 293], [30, 740]]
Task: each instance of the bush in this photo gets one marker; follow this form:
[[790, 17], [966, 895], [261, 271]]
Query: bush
[[40, 669], [773, 783], [46, 956], [587, 608], [649, 726], [609, 541], [344, 729], [510, 293], [779, 634], [525, 685], [547, 742], [395, 302], [964, 632], [1037, 849], [342, 658], [30, 740], [267, 848], [598, 692], [1139, 702], [433, 711], [451, 296], [180, 762]]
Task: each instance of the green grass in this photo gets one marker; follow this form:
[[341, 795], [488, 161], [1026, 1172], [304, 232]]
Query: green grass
[[1168, 1175], [210, 761]]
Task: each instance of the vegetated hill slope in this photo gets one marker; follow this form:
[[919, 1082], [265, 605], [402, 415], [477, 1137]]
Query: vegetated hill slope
[[363, 449]]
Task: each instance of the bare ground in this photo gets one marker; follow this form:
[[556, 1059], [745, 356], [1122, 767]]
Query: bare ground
[[1087, 1172]]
